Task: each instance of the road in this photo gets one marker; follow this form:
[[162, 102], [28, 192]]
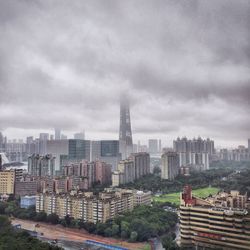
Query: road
[[73, 235]]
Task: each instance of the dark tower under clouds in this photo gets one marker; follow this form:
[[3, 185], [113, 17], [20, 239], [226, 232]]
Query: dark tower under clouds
[[125, 135]]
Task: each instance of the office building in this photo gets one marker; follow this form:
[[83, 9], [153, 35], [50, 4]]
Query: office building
[[209, 224], [153, 146], [30, 146], [106, 151], [43, 138], [125, 134], [41, 165], [110, 153], [57, 133], [79, 136], [169, 165], [64, 137], [79, 150]]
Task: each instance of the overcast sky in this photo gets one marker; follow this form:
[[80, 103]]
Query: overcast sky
[[184, 64]]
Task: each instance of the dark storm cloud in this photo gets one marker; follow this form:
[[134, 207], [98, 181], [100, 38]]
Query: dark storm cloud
[[184, 64]]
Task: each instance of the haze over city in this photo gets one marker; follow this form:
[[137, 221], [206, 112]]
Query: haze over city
[[184, 65]]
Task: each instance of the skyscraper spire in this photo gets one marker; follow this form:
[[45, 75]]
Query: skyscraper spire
[[125, 136]]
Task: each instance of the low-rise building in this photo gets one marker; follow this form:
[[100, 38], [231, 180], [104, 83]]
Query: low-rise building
[[142, 198], [27, 201]]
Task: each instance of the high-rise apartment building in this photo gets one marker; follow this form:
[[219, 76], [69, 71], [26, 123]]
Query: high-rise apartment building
[[194, 153], [16, 151], [136, 166], [127, 168], [141, 164], [169, 165], [41, 165], [239, 154], [91, 172], [58, 149], [125, 134], [7, 181], [209, 224]]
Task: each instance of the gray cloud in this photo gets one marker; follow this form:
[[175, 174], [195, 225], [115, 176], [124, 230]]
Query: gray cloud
[[185, 65]]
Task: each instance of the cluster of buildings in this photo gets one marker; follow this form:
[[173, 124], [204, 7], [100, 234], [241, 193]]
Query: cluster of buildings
[[239, 154], [195, 153], [131, 169], [219, 222], [89, 207]]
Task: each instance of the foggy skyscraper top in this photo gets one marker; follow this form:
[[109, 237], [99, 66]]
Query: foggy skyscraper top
[[125, 135]]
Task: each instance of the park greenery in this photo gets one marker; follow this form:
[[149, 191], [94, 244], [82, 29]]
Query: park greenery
[[175, 197], [13, 239], [223, 175]]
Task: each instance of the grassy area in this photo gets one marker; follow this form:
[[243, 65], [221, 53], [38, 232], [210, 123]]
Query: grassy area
[[175, 197], [146, 247]]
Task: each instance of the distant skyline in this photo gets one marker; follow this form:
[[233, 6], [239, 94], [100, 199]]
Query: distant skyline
[[184, 64]]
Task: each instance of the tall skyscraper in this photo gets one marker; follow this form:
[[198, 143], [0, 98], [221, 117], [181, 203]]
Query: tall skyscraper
[[159, 148], [57, 134], [43, 138], [125, 136], [153, 146]]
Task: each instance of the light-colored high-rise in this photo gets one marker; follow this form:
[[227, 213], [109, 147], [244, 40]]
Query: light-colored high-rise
[[169, 165]]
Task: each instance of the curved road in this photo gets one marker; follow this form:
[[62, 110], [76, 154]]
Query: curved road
[[69, 234]]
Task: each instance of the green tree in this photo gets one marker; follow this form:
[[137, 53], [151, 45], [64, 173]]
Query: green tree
[[133, 236], [41, 216], [53, 218], [115, 230]]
